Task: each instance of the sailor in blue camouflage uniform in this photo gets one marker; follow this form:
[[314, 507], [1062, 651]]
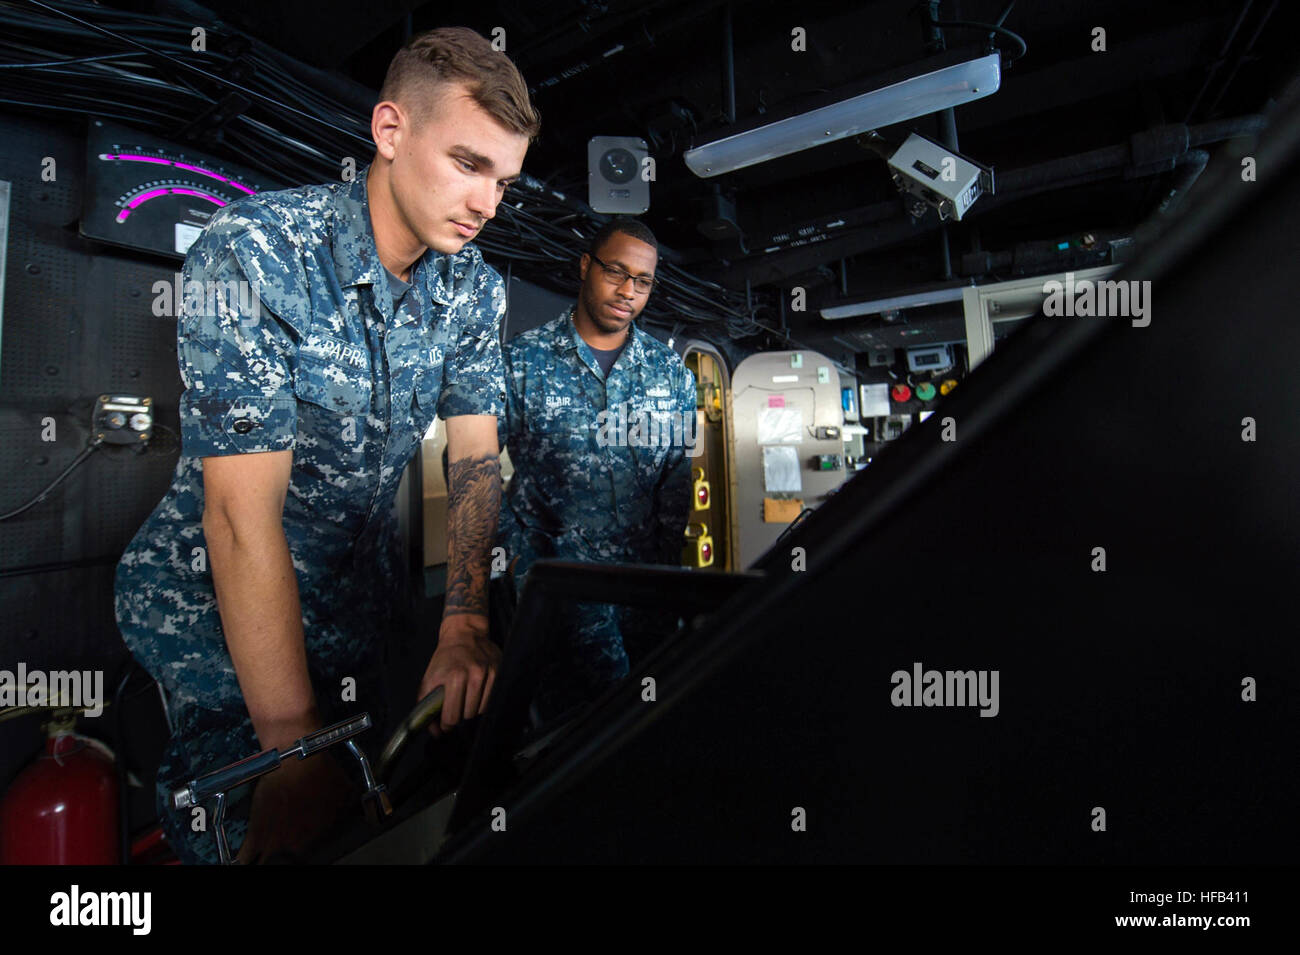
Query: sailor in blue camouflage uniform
[[600, 427], [344, 364]]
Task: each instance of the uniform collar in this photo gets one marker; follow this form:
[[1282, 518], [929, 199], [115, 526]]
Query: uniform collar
[[356, 258], [633, 348]]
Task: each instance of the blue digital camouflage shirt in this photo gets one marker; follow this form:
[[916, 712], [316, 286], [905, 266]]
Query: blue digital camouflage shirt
[[601, 464], [323, 368], [601, 473]]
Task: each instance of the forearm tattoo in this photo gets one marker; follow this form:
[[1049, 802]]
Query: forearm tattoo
[[473, 500]]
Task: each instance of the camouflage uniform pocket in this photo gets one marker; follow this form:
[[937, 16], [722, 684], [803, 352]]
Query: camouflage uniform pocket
[[331, 387]]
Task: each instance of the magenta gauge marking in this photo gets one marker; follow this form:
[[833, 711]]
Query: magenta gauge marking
[[136, 202], [200, 170], [145, 197], [157, 160], [164, 162]]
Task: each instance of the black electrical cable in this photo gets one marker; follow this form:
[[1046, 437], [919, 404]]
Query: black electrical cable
[[79, 59], [69, 109], [85, 453], [1015, 38], [536, 229], [123, 794], [181, 64]]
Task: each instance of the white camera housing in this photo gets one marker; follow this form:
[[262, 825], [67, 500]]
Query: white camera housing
[[939, 176]]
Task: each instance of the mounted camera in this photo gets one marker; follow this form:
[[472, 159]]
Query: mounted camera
[[939, 177]]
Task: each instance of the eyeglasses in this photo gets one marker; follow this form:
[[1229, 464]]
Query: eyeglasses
[[616, 277]]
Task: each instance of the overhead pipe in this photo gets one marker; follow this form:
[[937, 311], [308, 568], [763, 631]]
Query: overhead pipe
[[1250, 48], [1159, 150], [934, 44], [728, 67], [1218, 60]]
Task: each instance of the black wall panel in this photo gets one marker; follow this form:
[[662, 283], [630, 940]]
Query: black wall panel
[[78, 322]]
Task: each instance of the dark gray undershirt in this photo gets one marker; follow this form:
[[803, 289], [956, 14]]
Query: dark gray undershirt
[[396, 286], [605, 357]]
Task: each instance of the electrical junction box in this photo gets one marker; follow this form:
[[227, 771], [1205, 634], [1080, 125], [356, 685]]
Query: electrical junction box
[[929, 358], [123, 419]]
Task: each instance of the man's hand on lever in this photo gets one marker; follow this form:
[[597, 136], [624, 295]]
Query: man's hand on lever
[[295, 805], [466, 660], [465, 666]]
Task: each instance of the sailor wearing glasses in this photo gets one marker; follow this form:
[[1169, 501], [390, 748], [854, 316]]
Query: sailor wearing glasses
[[600, 425]]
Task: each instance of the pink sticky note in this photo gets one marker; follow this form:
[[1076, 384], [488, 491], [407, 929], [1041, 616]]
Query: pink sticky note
[[776, 401]]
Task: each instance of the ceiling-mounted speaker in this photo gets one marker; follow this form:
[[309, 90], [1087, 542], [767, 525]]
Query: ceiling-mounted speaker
[[618, 175]]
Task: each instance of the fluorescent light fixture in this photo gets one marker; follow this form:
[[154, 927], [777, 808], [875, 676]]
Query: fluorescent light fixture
[[918, 96], [934, 297]]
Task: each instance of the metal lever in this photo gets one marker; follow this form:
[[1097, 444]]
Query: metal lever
[[218, 783], [377, 804], [425, 712], [315, 742]]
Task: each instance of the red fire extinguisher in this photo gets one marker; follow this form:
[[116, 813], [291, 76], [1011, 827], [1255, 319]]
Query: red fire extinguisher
[[63, 808]]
